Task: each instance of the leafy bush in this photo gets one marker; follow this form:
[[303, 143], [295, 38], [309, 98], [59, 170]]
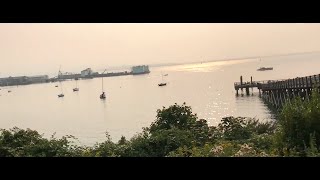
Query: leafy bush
[[299, 120], [18, 142]]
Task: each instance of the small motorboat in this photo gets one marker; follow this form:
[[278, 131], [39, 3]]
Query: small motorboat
[[61, 95], [162, 84], [56, 86], [265, 68]]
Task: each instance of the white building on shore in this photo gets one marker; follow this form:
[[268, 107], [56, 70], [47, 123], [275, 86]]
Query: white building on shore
[[140, 69], [86, 72]]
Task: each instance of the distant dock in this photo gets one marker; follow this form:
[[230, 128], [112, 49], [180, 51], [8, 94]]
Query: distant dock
[[85, 74]]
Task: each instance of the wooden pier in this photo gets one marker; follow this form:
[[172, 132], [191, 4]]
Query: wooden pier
[[277, 92]]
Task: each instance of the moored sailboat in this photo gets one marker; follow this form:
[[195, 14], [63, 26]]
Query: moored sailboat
[[76, 88], [162, 83], [60, 95], [103, 95]]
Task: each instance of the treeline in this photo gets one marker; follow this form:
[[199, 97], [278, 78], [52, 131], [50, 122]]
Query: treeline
[[177, 132]]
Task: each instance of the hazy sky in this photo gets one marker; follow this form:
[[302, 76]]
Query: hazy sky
[[41, 48]]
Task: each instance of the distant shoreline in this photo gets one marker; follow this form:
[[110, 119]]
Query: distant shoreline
[[232, 59], [126, 67]]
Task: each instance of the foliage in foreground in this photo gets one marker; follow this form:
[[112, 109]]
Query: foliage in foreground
[[299, 127], [177, 132]]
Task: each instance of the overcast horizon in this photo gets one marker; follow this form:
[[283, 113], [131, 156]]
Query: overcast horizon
[[32, 49]]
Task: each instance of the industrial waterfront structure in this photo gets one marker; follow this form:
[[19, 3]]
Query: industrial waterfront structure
[[23, 80], [85, 74], [140, 69]]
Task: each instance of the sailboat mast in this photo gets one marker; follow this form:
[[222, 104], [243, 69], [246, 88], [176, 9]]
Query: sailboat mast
[[102, 78], [59, 73], [61, 87], [102, 84]]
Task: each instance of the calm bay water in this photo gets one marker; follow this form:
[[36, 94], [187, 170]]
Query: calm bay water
[[132, 101]]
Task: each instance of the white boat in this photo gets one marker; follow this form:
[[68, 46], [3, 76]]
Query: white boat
[[264, 68]]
